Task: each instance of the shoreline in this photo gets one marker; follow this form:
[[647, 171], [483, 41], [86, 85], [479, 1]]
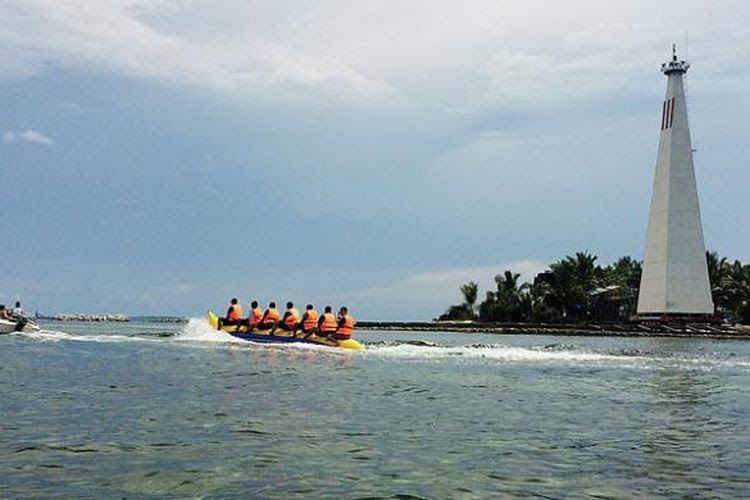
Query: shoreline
[[690, 330]]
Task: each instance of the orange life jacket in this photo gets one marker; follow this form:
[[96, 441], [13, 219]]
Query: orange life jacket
[[329, 324], [235, 313], [346, 327], [256, 314], [271, 316], [310, 320], [292, 318]]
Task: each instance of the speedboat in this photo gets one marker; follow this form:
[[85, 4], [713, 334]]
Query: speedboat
[[23, 325], [280, 337]]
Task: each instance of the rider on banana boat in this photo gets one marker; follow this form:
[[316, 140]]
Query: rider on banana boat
[[255, 316], [327, 324], [309, 321], [270, 318], [345, 326], [234, 314], [291, 318]]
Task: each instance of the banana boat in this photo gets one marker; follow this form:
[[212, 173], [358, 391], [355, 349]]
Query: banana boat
[[280, 337]]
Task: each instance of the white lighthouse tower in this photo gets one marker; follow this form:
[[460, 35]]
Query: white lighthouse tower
[[675, 274]]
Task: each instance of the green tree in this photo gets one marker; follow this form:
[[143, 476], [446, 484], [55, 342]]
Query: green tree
[[465, 311], [735, 291], [573, 278], [470, 291], [718, 272], [504, 304], [625, 272]]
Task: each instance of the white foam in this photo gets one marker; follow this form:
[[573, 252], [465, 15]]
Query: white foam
[[198, 333], [496, 353], [198, 330], [57, 336]]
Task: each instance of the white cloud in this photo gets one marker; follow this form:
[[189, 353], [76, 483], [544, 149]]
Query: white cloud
[[30, 135], [514, 53], [415, 295], [128, 38], [35, 137]]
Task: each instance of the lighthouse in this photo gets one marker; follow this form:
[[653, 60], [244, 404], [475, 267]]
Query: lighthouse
[[675, 274]]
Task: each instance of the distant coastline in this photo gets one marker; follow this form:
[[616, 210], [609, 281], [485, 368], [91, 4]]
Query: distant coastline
[[642, 329], [116, 318]]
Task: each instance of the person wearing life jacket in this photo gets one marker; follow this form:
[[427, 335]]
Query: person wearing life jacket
[[270, 318], [309, 321], [234, 314], [291, 318], [255, 316], [345, 325], [327, 324]]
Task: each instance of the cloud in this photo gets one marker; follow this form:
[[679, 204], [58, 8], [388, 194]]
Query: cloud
[[428, 294], [133, 39], [512, 54], [35, 137], [30, 135]]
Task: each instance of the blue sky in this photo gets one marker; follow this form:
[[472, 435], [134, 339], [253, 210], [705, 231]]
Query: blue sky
[[159, 157]]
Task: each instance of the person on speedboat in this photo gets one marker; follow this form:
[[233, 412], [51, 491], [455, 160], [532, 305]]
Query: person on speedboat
[[291, 318], [255, 316], [234, 315], [309, 321], [327, 324], [18, 312], [4, 314], [270, 318], [345, 326], [20, 317]]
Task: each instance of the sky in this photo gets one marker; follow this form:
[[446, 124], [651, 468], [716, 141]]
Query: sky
[[161, 157]]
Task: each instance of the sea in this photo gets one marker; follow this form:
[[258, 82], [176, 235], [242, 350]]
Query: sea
[[144, 409]]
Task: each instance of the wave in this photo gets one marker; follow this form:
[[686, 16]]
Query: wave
[[198, 330], [197, 333], [497, 352], [58, 336]]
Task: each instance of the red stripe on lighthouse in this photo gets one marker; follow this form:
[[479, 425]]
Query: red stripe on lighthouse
[[671, 112]]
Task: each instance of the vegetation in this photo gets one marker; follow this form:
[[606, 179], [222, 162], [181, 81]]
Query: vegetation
[[465, 311], [576, 289], [730, 287]]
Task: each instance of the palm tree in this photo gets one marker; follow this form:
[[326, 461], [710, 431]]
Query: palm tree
[[625, 272], [735, 290], [470, 291], [504, 304], [466, 310], [717, 269]]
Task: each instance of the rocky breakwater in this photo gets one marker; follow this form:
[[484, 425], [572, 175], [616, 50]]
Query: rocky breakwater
[[636, 329], [121, 318]]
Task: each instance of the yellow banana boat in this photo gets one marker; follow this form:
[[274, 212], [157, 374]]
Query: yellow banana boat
[[280, 337]]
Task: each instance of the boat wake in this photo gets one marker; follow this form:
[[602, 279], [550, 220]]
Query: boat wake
[[496, 352], [197, 333], [555, 354], [58, 336]]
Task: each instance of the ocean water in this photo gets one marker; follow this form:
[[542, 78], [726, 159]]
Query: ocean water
[[144, 409]]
